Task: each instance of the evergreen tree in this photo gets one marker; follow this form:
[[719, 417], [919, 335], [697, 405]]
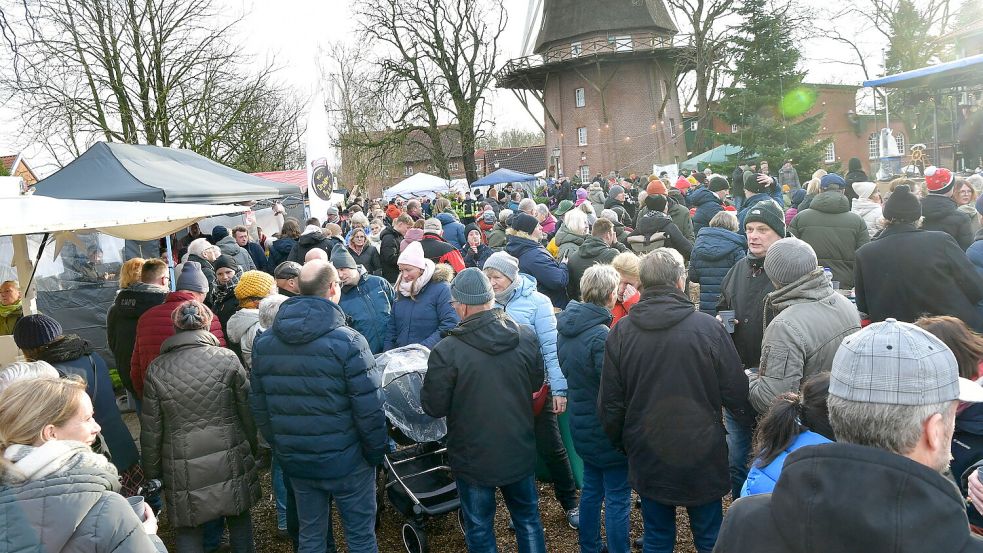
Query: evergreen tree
[[767, 100]]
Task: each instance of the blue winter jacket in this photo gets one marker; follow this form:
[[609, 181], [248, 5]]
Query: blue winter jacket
[[529, 307], [534, 260], [747, 205], [421, 320], [707, 205], [763, 479], [453, 230], [258, 254], [99, 387], [316, 392], [583, 328], [715, 252], [279, 250], [368, 306]]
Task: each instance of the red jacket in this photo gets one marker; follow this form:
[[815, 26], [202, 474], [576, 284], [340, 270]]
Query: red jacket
[[153, 328], [438, 250], [621, 308]]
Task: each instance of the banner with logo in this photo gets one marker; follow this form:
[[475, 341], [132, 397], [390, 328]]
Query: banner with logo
[[320, 153]]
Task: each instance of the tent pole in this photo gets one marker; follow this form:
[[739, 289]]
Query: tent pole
[[24, 272], [935, 126], [170, 261]]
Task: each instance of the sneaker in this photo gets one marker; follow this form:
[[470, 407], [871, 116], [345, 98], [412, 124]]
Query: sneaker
[[573, 518]]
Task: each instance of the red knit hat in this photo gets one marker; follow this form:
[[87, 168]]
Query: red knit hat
[[938, 180], [656, 187], [682, 183]]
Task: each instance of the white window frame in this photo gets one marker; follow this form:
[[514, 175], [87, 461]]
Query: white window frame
[[694, 126], [453, 166], [584, 173], [830, 153], [576, 49], [581, 136], [672, 127], [622, 43], [580, 97], [899, 138], [408, 170], [874, 145], [734, 128]]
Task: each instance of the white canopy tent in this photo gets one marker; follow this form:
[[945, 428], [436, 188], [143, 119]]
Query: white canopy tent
[[423, 185]]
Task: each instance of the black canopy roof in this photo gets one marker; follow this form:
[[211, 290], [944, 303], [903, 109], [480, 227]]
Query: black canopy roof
[[567, 19], [126, 172]]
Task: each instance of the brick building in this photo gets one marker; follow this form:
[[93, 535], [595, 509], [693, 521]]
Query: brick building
[[853, 134], [605, 74], [16, 166]]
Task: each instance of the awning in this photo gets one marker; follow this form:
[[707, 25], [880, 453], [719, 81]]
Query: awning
[[503, 176], [141, 173], [418, 185], [962, 72], [718, 155], [127, 220]]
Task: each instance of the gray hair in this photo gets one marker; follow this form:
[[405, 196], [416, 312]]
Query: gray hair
[[725, 220], [894, 428], [527, 205], [504, 215], [576, 222], [268, 308], [25, 370], [598, 283], [610, 215], [661, 267], [542, 209]]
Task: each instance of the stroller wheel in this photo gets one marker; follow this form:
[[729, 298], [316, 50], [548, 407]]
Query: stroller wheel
[[460, 521], [414, 539]]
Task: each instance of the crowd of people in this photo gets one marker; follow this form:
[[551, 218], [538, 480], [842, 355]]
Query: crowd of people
[[809, 348]]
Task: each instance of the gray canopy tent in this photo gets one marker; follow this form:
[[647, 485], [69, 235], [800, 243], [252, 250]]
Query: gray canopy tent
[[142, 173]]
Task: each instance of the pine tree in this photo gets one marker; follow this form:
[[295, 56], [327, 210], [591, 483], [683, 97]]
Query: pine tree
[[767, 100]]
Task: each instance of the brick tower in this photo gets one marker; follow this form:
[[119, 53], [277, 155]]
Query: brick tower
[[605, 74]]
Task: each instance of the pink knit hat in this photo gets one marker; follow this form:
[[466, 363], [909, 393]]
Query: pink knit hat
[[413, 256]]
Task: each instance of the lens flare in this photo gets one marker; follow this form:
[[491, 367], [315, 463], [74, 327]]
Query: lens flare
[[798, 101]]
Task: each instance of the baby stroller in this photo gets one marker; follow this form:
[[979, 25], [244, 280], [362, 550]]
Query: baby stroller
[[418, 480]]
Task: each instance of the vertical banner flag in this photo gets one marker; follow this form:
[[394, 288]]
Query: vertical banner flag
[[320, 181]]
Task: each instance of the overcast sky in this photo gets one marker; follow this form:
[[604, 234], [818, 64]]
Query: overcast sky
[[290, 31]]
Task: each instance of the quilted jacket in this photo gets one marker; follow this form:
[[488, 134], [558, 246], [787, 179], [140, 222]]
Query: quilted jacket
[[317, 393], [707, 205], [198, 435], [529, 307], [75, 510], [582, 332], [834, 232], [453, 229], [551, 276], [153, 328], [715, 252], [242, 328], [424, 319], [368, 306]]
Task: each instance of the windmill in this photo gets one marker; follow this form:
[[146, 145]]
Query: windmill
[[605, 75]]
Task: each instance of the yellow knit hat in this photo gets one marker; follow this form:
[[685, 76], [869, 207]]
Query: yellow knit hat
[[254, 284]]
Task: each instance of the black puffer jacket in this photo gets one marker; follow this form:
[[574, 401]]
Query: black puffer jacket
[[845, 497], [657, 221], [590, 253], [389, 241], [198, 435], [668, 370], [486, 369], [308, 242], [941, 213], [121, 323]]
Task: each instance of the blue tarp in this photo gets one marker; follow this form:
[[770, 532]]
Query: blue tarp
[[962, 72], [503, 176], [718, 155]]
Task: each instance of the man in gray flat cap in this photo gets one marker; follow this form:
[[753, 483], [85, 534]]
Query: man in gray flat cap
[[893, 393]]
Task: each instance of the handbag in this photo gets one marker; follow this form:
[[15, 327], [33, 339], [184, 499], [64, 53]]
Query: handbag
[[539, 398]]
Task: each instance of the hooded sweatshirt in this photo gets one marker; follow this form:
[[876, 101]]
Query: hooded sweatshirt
[[834, 232]]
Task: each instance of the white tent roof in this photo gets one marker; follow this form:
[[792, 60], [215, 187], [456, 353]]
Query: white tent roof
[[128, 220], [420, 184]]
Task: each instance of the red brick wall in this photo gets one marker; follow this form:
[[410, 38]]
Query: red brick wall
[[634, 135]]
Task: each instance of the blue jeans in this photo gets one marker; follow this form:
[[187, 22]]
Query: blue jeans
[[191, 539], [354, 495], [609, 486], [279, 494], [478, 506], [660, 526], [738, 452], [212, 532]]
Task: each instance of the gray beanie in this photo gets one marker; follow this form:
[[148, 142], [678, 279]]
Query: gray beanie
[[615, 191], [503, 263], [790, 259], [341, 259], [192, 279], [472, 287]]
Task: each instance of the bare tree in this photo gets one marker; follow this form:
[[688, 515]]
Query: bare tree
[[439, 62], [707, 58], [133, 71]]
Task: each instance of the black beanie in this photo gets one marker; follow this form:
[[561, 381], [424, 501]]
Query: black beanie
[[902, 206], [225, 262], [767, 212], [718, 183], [751, 183], [656, 202]]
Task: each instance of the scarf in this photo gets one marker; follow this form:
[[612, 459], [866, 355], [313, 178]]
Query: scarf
[[222, 291], [411, 289], [67, 348], [57, 457], [505, 295], [8, 310]]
